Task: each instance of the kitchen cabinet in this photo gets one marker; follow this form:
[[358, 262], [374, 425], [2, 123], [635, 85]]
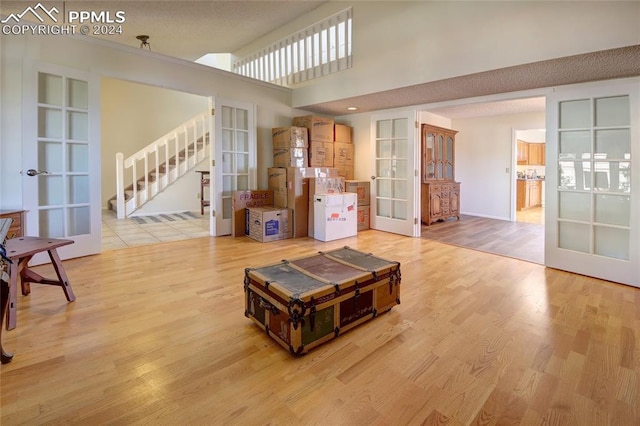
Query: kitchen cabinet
[[528, 193], [530, 153], [536, 154], [522, 153], [440, 192]]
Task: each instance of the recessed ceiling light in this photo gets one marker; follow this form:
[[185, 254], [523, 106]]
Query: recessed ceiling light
[[352, 108]]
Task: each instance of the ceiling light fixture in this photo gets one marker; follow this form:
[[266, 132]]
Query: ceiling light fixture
[[143, 42], [352, 108]]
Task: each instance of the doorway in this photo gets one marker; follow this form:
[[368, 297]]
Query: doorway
[[132, 116], [530, 149]]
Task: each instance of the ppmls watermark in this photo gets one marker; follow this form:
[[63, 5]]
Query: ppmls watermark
[[86, 22]]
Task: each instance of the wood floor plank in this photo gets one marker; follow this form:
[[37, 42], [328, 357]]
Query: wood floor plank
[[157, 335]]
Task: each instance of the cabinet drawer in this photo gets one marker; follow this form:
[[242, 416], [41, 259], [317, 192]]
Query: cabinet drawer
[[17, 227]]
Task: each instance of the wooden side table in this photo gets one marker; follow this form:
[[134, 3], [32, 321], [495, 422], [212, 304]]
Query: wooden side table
[[20, 251], [204, 183]]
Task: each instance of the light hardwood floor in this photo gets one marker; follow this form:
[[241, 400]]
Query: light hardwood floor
[[157, 336]]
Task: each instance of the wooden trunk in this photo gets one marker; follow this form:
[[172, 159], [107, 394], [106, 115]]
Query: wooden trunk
[[302, 303]]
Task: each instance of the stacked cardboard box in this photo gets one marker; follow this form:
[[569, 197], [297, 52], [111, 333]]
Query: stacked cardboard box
[[290, 146], [343, 151], [362, 189], [240, 202], [290, 188], [320, 131]]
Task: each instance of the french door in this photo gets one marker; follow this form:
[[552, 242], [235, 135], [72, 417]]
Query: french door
[[593, 181], [61, 159], [233, 149], [394, 188]]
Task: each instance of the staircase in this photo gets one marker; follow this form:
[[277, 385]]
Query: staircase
[[140, 177]]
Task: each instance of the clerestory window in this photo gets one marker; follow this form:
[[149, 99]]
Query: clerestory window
[[320, 49]]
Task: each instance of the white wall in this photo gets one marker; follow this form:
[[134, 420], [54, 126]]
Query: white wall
[[401, 43], [485, 161]]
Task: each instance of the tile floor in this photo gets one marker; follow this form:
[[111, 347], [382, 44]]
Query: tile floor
[[136, 231]]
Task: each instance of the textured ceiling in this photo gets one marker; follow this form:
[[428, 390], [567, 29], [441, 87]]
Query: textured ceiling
[[186, 29], [191, 29], [601, 65]]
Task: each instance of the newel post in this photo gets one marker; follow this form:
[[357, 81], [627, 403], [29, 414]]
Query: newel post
[[120, 185]]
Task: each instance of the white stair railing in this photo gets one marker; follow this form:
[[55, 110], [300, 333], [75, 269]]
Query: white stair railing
[[171, 156]]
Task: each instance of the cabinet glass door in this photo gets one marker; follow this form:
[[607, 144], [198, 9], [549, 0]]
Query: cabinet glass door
[[439, 158], [429, 153], [448, 156]]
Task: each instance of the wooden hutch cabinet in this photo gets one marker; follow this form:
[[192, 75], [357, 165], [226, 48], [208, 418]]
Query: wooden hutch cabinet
[[440, 192]]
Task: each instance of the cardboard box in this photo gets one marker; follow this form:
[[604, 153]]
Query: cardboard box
[[363, 217], [277, 182], [336, 216], [320, 154], [342, 133], [345, 171], [342, 154], [290, 157], [360, 187], [319, 128], [268, 223], [240, 201], [291, 190], [291, 182], [327, 185], [290, 137]]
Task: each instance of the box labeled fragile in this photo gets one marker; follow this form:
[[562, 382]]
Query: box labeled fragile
[[304, 302]]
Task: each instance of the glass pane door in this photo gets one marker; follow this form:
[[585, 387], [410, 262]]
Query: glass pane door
[[394, 175], [234, 151], [63, 157], [594, 176], [592, 224]]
